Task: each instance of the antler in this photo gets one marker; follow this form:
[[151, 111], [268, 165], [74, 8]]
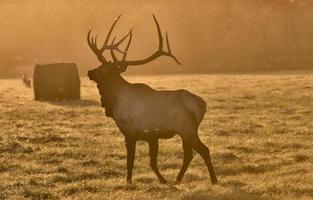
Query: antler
[[115, 47], [92, 42], [158, 53]]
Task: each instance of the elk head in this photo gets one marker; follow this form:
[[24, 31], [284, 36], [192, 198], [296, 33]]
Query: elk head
[[116, 66]]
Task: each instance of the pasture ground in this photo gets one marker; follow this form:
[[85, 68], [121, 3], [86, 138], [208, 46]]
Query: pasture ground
[[259, 129]]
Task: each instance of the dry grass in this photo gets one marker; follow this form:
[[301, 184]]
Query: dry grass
[[259, 129]]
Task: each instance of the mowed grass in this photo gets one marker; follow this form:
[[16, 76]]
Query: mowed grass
[[259, 129]]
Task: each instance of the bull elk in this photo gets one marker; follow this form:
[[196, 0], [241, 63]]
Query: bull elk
[[142, 113]]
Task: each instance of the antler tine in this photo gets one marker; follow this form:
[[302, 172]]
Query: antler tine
[[115, 46], [112, 51], [95, 41], [122, 40], [159, 33], [92, 42], [109, 34], [170, 52], [88, 39], [88, 35], [130, 33], [168, 44], [175, 59]]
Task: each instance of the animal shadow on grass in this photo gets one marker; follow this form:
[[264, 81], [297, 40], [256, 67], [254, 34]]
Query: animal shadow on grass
[[240, 195], [74, 103]]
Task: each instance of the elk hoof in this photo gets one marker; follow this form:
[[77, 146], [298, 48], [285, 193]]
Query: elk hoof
[[163, 181]]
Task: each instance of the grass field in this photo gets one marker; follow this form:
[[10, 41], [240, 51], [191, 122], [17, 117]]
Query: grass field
[[259, 129]]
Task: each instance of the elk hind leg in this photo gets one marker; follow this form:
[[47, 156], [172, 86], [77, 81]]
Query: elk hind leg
[[203, 150], [153, 150]]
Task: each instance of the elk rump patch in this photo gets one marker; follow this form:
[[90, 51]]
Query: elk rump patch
[[57, 81]]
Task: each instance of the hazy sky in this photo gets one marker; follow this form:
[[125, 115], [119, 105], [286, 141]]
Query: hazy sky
[[204, 35]]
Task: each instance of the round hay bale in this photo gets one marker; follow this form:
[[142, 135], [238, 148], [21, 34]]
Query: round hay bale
[[58, 81]]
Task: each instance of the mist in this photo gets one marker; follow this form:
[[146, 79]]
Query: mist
[[206, 36]]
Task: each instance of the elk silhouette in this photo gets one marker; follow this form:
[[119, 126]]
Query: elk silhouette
[[142, 113]]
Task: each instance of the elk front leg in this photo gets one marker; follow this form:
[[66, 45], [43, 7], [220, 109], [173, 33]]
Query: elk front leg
[[131, 148], [187, 159], [153, 150]]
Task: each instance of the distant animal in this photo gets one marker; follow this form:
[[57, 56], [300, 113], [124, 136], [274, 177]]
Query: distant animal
[[142, 113], [26, 81]]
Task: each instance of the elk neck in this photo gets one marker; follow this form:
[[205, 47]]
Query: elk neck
[[109, 89]]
